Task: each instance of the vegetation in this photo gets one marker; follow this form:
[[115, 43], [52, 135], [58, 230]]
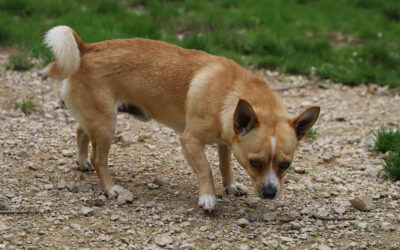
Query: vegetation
[[312, 133], [19, 62], [388, 141], [347, 41], [26, 106]]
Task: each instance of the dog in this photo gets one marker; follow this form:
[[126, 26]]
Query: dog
[[207, 99]]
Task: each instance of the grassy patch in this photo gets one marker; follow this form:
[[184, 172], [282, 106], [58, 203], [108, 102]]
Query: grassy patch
[[19, 62], [26, 106], [312, 133], [347, 41], [388, 141]]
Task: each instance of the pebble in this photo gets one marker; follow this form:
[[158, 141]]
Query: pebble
[[299, 170], [363, 203], [114, 217], [87, 210], [67, 153], [339, 210], [152, 185], [269, 217], [81, 188], [162, 240], [187, 246], [243, 222], [48, 186], [323, 247], [124, 197]]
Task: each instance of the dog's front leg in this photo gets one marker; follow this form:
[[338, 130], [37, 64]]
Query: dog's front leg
[[231, 186], [194, 153]]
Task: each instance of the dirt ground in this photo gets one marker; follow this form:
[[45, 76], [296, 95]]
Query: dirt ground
[[68, 209]]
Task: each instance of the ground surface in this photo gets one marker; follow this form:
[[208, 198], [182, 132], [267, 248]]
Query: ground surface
[[38, 174]]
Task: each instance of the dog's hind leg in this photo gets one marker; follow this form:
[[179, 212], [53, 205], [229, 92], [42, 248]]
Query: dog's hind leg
[[83, 146], [101, 131], [231, 186]]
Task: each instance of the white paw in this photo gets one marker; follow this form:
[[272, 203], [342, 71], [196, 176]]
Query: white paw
[[237, 189], [114, 191], [207, 202], [84, 164]]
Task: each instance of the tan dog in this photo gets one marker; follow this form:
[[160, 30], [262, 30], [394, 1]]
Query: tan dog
[[206, 98]]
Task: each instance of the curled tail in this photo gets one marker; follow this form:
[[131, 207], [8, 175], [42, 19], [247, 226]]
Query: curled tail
[[65, 45]]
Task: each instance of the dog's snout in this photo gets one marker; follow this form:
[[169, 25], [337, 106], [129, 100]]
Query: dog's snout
[[269, 192]]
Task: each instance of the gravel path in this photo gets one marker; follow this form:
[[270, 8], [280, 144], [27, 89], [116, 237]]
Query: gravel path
[[68, 209]]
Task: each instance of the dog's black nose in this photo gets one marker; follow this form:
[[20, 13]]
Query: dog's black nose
[[268, 192]]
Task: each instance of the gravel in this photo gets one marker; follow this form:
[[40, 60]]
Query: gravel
[[39, 174]]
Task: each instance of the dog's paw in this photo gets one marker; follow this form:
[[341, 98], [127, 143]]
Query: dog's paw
[[236, 189], [84, 165], [42, 73], [114, 192], [207, 202]]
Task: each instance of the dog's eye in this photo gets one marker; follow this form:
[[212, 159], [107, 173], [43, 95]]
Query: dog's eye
[[284, 165], [256, 163]]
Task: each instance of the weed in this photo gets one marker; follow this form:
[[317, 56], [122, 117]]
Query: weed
[[391, 164], [312, 133], [19, 62], [26, 106], [387, 139]]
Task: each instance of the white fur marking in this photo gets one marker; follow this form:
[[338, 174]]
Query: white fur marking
[[272, 179], [62, 43], [207, 202], [237, 189], [114, 191]]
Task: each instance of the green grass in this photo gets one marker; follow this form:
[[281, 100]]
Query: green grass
[[26, 106], [312, 133], [351, 42], [388, 141], [19, 62]]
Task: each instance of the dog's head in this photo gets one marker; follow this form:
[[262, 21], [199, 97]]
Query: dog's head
[[264, 144]]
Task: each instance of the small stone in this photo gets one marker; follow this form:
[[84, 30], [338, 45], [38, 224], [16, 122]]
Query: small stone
[[242, 222], [305, 104], [87, 210], [339, 210], [48, 186], [386, 226], [152, 185], [299, 170], [162, 240], [67, 153], [362, 225], [269, 217], [187, 246], [322, 212], [61, 184], [19, 243], [294, 225], [82, 188], [363, 203], [124, 197], [114, 217], [252, 201], [323, 247]]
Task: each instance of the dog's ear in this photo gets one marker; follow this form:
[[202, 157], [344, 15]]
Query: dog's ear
[[305, 121], [245, 118]]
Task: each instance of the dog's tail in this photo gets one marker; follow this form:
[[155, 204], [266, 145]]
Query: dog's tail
[[66, 46]]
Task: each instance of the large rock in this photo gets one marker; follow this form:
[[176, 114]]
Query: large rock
[[363, 203]]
